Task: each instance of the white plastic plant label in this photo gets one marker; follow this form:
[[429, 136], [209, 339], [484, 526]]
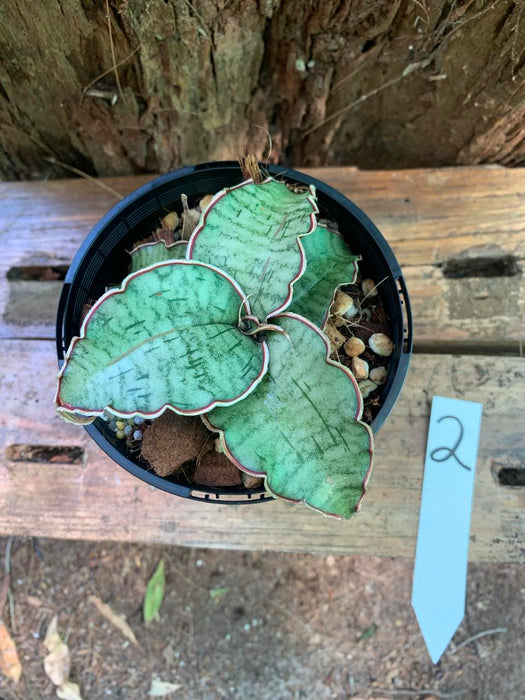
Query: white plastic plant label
[[440, 570]]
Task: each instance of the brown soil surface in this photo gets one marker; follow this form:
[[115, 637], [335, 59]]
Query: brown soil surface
[[171, 440], [215, 469], [266, 626]]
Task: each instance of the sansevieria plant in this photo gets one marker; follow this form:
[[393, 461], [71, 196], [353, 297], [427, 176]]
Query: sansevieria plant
[[228, 326]]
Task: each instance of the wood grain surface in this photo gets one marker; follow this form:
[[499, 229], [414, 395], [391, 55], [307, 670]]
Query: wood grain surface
[[429, 217]]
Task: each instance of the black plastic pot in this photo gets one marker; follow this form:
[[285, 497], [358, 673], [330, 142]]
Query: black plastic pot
[[102, 260]]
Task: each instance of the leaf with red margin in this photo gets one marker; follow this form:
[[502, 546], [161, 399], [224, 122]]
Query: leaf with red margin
[[329, 264], [168, 338], [148, 254], [254, 232], [300, 428]]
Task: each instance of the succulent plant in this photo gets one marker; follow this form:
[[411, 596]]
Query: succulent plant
[[229, 326]]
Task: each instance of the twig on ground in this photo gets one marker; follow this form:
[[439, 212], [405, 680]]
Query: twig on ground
[[7, 569], [7, 557], [415, 693], [485, 633], [4, 588]]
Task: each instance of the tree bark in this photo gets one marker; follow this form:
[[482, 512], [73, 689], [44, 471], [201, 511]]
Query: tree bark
[[130, 86]]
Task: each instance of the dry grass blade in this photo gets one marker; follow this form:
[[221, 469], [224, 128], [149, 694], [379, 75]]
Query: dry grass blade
[[4, 588], [92, 179], [106, 611], [27, 136], [353, 104], [109, 70], [251, 169], [270, 146], [112, 47], [199, 17], [7, 569]]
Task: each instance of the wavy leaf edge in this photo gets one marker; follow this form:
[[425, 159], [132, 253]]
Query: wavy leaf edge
[[356, 262], [151, 244], [357, 259], [313, 225], [359, 413], [67, 411]]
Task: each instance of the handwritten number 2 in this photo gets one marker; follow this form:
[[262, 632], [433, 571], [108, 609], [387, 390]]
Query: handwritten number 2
[[449, 452]]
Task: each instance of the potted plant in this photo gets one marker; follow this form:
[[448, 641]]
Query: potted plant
[[233, 325]]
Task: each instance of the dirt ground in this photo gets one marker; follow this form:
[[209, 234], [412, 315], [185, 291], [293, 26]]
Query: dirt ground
[[254, 625]]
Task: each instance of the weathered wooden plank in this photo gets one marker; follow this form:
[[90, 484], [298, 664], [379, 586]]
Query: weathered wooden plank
[[486, 310], [97, 500], [428, 216]]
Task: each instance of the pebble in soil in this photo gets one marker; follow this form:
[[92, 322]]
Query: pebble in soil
[[359, 368], [354, 347], [378, 375], [381, 344], [350, 331]]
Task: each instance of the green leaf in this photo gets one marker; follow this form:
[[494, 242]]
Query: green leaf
[[329, 264], [216, 593], [300, 428], [168, 337], [151, 253], [154, 593], [253, 233], [368, 633]]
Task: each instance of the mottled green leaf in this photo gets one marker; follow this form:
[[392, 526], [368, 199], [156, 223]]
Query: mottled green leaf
[[252, 232], [151, 253], [154, 593], [329, 264], [168, 337], [300, 428]]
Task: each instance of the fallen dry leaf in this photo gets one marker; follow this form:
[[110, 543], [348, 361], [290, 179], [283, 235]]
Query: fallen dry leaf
[[159, 689], [9, 662], [121, 624], [57, 662], [69, 691], [34, 601]]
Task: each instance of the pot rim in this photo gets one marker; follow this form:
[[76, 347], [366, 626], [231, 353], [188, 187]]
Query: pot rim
[[118, 212]]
